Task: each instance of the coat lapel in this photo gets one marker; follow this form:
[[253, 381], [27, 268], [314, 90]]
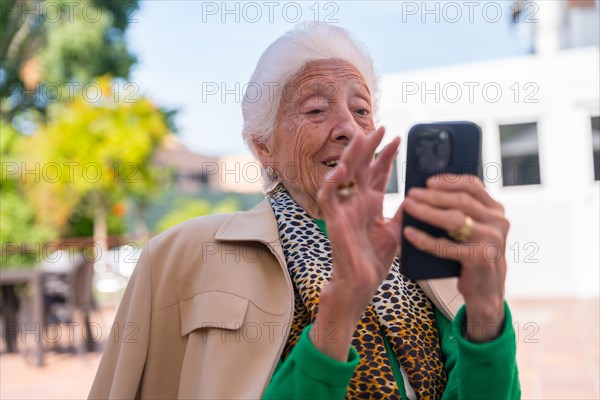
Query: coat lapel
[[444, 294], [258, 224]]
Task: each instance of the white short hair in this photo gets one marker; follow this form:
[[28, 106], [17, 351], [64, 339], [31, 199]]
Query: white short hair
[[282, 60]]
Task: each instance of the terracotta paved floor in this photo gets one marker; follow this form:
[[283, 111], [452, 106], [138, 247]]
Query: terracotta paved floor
[[558, 355]]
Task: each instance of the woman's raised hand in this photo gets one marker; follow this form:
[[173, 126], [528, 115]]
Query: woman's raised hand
[[364, 243]]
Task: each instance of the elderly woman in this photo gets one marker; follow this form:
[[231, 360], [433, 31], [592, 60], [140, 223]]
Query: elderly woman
[[302, 297]]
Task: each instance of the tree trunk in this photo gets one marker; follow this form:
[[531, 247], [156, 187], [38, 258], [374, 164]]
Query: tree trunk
[[100, 204], [139, 211]]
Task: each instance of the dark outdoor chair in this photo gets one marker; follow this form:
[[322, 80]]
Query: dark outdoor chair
[[68, 298]]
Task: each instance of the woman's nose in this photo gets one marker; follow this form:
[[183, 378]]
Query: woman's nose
[[345, 126]]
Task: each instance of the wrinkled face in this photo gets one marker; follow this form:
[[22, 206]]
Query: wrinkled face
[[325, 105]]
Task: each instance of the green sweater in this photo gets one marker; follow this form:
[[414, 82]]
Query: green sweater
[[475, 370]]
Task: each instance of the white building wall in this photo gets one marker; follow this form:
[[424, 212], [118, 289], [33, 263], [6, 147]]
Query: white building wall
[[553, 246]]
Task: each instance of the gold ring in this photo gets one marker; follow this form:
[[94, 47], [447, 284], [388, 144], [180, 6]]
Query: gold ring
[[463, 233], [347, 189]]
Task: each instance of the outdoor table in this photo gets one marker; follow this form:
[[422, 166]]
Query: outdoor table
[[9, 277]]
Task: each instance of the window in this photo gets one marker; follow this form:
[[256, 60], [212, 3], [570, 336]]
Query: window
[[392, 186], [596, 146], [520, 158]]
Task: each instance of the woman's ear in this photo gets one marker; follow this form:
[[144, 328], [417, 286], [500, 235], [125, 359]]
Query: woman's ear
[[262, 150]]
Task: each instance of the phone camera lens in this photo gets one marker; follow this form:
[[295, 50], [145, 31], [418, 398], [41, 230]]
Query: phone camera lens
[[442, 150]]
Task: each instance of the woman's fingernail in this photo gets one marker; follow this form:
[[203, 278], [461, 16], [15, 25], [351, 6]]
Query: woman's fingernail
[[409, 232]]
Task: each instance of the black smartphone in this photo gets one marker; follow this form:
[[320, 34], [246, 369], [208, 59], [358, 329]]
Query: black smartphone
[[436, 149]]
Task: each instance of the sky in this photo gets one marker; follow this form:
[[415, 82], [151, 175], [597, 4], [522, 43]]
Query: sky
[[197, 56]]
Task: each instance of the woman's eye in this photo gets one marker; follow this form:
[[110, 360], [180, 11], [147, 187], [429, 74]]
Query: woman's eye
[[316, 111], [363, 112]]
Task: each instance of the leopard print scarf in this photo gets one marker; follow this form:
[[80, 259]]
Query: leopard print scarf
[[400, 310]]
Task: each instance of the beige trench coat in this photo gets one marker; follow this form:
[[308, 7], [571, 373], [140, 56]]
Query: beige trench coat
[[207, 312]]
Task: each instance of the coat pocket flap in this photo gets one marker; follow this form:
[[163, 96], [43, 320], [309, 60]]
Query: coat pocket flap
[[212, 310]]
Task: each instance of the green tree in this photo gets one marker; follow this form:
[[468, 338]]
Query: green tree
[[94, 152], [49, 44], [22, 235]]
